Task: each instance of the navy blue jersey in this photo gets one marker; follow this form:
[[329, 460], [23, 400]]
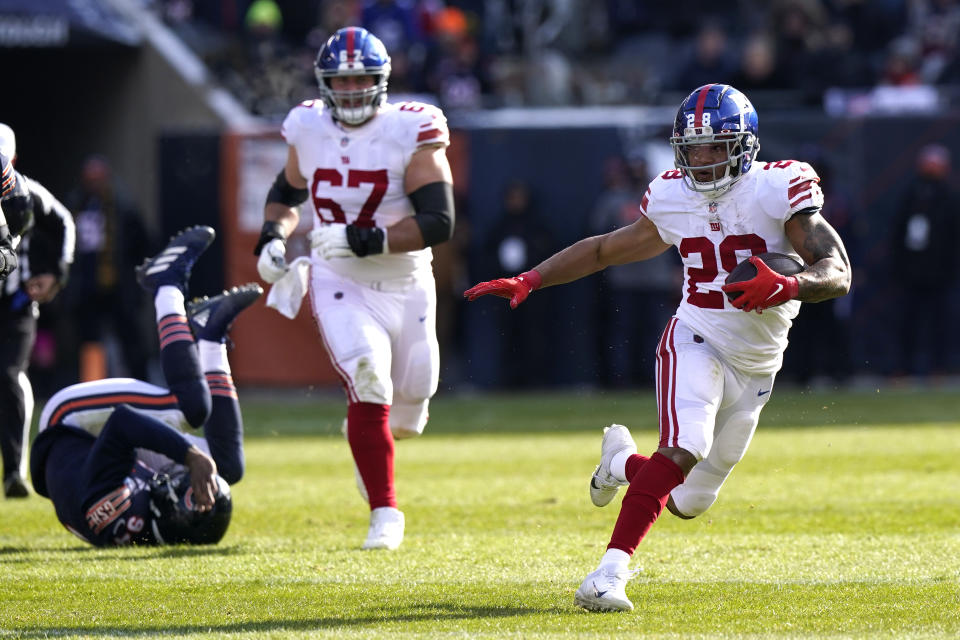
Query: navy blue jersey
[[100, 491]]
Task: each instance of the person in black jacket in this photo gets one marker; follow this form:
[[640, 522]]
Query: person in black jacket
[[42, 233], [519, 240], [925, 266], [103, 297]]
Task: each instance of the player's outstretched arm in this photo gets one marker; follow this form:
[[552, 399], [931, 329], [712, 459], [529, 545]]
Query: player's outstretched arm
[[828, 274], [638, 241]]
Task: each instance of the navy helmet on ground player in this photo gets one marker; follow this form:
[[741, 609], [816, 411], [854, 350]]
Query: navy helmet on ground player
[[716, 114], [175, 519], [353, 51]]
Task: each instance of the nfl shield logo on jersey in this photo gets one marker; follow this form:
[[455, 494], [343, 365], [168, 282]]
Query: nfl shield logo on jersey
[[714, 218]]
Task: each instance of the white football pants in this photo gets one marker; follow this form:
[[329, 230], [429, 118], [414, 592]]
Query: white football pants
[[382, 341], [707, 407]]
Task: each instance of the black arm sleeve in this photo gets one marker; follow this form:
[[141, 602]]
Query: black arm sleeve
[[284, 193], [434, 208]]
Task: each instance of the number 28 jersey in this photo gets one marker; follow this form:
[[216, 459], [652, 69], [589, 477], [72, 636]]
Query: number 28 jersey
[[714, 233], [355, 175]]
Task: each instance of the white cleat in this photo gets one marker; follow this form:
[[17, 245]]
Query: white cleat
[[605, 590], [386, 529], [603, 485]]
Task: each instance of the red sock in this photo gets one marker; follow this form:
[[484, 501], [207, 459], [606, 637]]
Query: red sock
[[368, 431], [634, 464], [646, 497]]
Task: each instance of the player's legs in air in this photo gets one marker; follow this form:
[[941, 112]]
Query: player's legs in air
[[186, 403], [706, 408], [210, 319], [166, 276], [193, 352]]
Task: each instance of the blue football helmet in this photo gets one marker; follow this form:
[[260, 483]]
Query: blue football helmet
[[716, 114], [176, 521], [353, 51]]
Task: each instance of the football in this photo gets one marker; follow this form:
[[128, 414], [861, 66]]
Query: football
[[779, 262]]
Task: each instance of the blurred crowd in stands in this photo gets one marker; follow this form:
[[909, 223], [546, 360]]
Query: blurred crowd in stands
[[473, 54]]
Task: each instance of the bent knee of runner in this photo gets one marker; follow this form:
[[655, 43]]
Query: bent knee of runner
[[731, 444], [370, 381], [408, 419], [691, 501], [672, 508]]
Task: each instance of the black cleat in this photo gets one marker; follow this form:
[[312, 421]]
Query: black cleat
[[172, 265], [210, 318], [15, 487]]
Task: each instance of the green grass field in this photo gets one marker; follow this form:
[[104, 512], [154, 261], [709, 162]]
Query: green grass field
[[843, 521]]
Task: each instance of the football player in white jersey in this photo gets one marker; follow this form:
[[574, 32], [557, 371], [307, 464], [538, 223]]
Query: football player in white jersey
[[716, 360], [380, 192]]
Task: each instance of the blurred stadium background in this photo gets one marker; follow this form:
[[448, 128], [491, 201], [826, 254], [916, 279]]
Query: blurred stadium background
[[558, 98]]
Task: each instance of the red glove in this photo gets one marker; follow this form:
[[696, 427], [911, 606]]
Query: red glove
[[767, 289], [516, 289]]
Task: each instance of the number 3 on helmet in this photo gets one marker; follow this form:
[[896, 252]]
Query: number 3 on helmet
[[353, 51], [716, 114]]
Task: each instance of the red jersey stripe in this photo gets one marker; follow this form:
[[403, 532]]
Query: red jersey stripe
[[797, 189], [428, 134], [111, 399]]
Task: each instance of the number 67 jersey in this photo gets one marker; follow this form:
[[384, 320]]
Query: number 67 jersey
[[356, 175], [713, 233]]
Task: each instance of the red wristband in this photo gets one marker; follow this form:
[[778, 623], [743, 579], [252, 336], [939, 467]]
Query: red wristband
[[533, 278]]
